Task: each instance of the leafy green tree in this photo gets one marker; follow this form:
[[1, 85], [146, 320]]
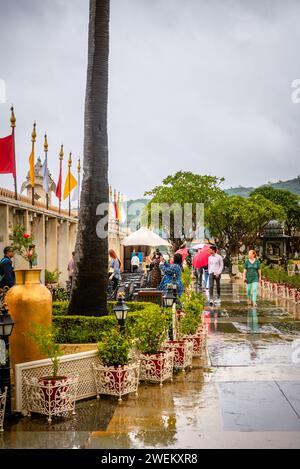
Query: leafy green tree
[[287, 200], [181, 188], [235, 221]]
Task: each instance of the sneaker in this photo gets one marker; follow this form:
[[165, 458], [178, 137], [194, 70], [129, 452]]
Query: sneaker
[[211, 302], [218, 302]]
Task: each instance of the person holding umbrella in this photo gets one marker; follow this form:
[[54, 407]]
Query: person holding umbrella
[[200, 262], [215, 269]]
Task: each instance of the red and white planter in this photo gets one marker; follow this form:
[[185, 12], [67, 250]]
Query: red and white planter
[[157, 367], [51, 397], [116, 380], [183, 353]]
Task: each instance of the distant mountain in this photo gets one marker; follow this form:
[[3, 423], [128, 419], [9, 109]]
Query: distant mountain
[[292, 185]]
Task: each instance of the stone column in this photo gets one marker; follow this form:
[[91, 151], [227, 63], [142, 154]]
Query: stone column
[[63, 251], [38, 229], [4, 219], [72, 238], [51, 244]]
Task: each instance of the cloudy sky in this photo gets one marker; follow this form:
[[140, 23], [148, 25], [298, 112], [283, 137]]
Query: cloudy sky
[[194, 85]]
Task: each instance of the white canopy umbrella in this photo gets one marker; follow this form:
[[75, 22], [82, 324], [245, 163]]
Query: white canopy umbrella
[[144, 237]]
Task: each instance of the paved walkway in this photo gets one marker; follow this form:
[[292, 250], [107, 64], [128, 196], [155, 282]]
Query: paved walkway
[[246, 394]]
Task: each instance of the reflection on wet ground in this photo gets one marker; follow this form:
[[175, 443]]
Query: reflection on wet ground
[[244, 393]]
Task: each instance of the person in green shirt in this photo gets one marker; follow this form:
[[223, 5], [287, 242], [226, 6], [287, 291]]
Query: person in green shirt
[[252, 277]]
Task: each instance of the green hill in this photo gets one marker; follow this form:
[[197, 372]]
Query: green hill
[[292, 185]]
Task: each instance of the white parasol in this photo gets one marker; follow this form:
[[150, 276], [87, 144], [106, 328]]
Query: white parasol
[[144, 237]]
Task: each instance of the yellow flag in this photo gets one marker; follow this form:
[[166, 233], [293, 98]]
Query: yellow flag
[[70, 184], [31, 168]]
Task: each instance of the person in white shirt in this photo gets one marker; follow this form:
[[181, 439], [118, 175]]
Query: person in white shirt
[[215, 269], [135, 262]]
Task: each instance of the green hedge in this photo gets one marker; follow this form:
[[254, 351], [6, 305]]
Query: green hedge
[[89, 329], [60, 308], [278, 275]]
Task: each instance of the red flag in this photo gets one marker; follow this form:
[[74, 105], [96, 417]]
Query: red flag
[[7, 155], [59, 184]]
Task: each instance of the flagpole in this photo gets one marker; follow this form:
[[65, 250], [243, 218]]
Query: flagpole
[[61, 157], [13, 125], [46, 169], [79, 171], [33, 139], [69, 174]]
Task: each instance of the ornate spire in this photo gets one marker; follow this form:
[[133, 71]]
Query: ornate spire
[[33, 135], [45, 143], [12, 118]]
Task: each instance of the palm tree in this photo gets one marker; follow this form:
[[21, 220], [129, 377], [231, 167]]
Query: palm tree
[[88, 296]]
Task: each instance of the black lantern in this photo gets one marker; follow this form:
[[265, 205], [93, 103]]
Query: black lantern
[[6, 324], [120, 311], [6, 327], [169, 297]]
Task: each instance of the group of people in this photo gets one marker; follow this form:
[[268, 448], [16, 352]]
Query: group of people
[[162, 273]]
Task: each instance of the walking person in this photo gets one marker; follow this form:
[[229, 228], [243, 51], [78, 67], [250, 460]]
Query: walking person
[[7, 274], [135, 262], [215, 269], [115, 264], [252, 277], [71, 266]]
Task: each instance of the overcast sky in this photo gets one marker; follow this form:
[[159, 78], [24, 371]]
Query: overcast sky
[[196, 85]]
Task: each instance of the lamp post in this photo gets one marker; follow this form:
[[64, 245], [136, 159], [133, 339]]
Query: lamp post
[[120, 311], [6, 327], [170, 300]]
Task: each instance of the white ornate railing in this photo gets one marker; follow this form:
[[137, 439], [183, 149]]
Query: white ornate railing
[[157, 367], [2, 408], [116, 381], [70, 365], [50, 397]]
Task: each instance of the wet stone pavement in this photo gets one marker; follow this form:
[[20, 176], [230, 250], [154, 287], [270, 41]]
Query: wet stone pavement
[[245, 393]]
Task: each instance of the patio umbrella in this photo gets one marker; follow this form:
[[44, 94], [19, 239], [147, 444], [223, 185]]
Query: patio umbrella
[[201, 258], [184, 253], [144, 237]]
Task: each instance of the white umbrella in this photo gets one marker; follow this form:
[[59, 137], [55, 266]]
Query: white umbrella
[[198, 246], [144, 237]]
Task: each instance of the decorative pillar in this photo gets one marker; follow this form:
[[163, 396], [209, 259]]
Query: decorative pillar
[[63, 250], [51, 244]]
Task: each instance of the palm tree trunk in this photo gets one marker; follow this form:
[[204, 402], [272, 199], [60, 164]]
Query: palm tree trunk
[[88, 296]]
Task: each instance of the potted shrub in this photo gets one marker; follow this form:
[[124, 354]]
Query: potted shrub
[[117, 374], [51, 395], [150, 331]]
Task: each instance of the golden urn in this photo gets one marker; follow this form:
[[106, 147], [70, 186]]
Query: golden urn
[[28, 302]]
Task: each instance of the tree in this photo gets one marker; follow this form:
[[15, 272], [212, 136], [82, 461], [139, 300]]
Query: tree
[[88, 296], [181, 188], [287, 200], [234, 221]]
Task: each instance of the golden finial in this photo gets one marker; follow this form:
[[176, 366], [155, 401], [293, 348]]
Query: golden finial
[[46, 144], [33, 135], [61, 153], [70, 160], [12, 118], [79, 166]]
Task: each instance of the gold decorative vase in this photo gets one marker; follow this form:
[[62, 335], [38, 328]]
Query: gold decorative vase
[[28, 302]]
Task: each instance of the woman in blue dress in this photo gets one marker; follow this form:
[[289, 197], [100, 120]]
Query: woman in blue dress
[[172, 274]]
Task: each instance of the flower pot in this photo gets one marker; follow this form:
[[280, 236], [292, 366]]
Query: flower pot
[[183, 352], [28, 302], [197, 340], [157, 367], [54, 390], [51, 396], [116, 380]]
